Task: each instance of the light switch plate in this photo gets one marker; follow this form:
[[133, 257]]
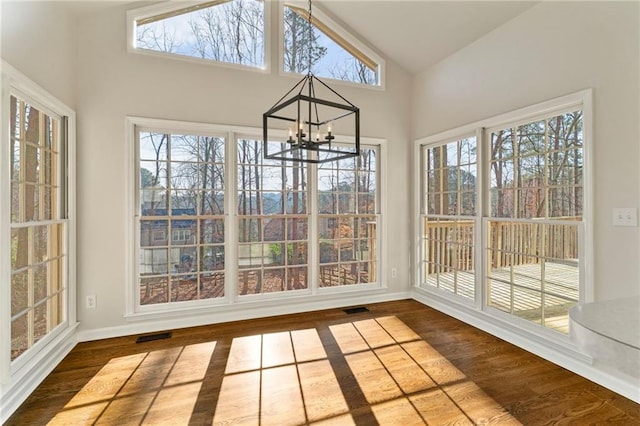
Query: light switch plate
[[625, 217]]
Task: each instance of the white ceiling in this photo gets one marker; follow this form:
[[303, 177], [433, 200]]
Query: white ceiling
[[415, 34]]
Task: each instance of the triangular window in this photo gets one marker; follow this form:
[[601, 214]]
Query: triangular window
[[334, 53], [230, 31]]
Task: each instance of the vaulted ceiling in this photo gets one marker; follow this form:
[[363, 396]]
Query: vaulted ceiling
[[415, 34]]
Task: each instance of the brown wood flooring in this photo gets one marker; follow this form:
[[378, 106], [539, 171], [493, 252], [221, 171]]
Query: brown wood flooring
[[401, 363]]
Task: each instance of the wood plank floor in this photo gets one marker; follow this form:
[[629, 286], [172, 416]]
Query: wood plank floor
[[401, 363]]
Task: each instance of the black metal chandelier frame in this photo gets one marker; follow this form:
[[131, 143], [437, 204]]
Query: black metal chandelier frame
[[305, 119]]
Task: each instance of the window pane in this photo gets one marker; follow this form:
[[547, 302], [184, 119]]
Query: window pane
[[37, 256], [346, 235], [328, 58], [228, 32]]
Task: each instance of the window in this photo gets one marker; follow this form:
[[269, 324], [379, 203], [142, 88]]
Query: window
[[180, 195], [38, 225], [347, 220], [217, 223], [273, 245], [228, 31], [520, 237], [536, 193], [449, 225], [333, 54]]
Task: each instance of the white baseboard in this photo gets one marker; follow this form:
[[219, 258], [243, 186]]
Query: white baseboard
[[567, 356], [24, 382], [237, 312]]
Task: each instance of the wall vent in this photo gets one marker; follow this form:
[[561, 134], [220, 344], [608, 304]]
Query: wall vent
[[152, 337], [356, 310]]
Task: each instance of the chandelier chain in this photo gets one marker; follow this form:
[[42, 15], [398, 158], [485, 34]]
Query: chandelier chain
[[310, 37]]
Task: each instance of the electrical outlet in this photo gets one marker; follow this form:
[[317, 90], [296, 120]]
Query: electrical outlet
[[91, 301], [394, 272], [625, 217]]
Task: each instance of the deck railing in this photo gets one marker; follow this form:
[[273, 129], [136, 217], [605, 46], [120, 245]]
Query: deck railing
[[450, 244]]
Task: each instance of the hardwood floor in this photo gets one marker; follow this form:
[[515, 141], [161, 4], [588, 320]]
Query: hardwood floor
[[401, 363]]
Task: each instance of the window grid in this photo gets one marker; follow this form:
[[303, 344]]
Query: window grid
[[348, 220], [37, 227], [182, 223], [273, 223], [536, 214], [448, 221]]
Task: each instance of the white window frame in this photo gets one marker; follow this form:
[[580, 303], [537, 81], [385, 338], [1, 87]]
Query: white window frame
[[582, 99], [320, 15], [16, 84], [134, 15], [231, 300]]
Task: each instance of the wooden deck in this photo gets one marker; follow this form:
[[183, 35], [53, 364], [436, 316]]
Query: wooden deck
[[526, 300]]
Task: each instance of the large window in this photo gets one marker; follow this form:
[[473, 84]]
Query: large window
[[217, 223], [273, 248], [448, 220], [528, 258], [536, 197], [230, 31], [181, 223], [347, 221], [38, 234]]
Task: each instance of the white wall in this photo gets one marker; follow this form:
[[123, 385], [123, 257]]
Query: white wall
[[113, 83], [38, 40], [553, 49]]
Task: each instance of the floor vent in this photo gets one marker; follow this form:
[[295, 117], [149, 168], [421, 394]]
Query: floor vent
[[151, 337], [357, 310]]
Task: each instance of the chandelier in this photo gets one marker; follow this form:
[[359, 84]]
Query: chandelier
[[311, 112]]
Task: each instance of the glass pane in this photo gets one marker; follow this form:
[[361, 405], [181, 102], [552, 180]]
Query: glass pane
[[19, 340], [184, 175], [297, 278], [19, 292], [19, 248], [40, 321], [154, 233], [212, 258], [274, 280], [184, 287], [275, 254], [211, 231], [249, 282], [297, 229], [250, 255], [183, 232], [56, 310], [153, 261], [297, 254], [250, 230], [211, 285], [329, 59], [153, 146], [154, 290], [40, 274], [228, 32], [274, 229], [153, 203], [153, 174], [40, 243], [184, 260]]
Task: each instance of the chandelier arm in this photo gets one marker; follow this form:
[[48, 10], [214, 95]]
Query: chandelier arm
[[290, 90], [333, 91]]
